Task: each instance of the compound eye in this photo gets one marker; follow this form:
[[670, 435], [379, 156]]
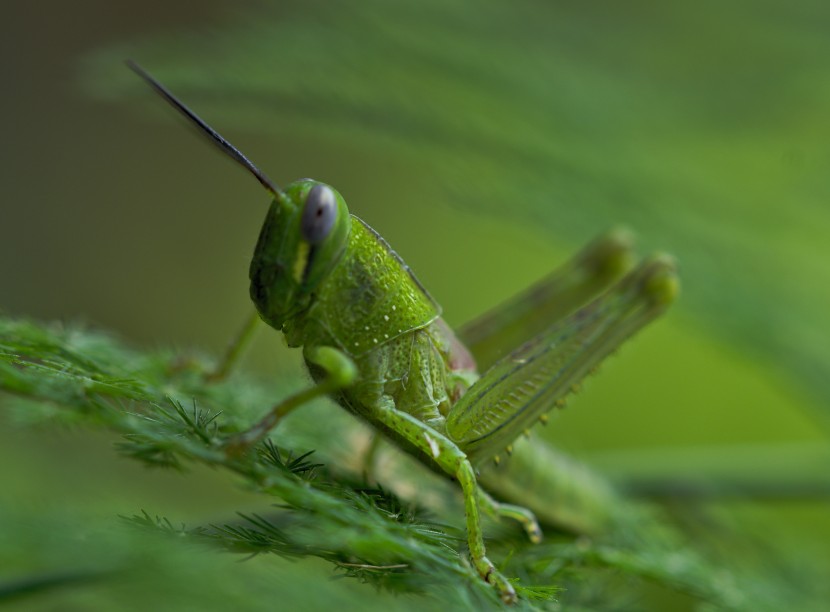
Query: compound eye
[[319, 214]]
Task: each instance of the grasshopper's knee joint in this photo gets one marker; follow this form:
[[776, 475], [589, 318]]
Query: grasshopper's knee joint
[[662, 284], [339, 367], [534, 533], [611, 254]]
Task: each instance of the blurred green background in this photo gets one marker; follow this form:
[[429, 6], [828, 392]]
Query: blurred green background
[[486, 143]]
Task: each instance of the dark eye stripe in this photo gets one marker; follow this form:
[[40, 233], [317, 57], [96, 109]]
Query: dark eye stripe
[[319, 214]]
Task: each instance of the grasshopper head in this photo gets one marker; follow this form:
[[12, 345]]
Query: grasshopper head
[[304, 234]]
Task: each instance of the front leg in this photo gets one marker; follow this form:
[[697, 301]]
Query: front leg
[[454, 462], [235, 349], [340, 372]]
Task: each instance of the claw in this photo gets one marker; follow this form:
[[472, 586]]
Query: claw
[[492, 576]]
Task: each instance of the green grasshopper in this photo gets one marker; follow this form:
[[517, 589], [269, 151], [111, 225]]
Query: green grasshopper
[[373, 338]]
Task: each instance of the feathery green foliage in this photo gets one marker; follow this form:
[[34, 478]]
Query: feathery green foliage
[[168, 416]]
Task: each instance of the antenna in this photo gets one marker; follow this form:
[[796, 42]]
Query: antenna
[[225, 146]]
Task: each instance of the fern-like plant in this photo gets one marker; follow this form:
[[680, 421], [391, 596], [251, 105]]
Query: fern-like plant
[[401, 535]]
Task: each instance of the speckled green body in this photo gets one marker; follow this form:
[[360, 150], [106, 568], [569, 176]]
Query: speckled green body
[[372, 307], [366, 300]]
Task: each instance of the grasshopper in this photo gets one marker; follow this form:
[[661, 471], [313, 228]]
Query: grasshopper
[[374, 340]]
